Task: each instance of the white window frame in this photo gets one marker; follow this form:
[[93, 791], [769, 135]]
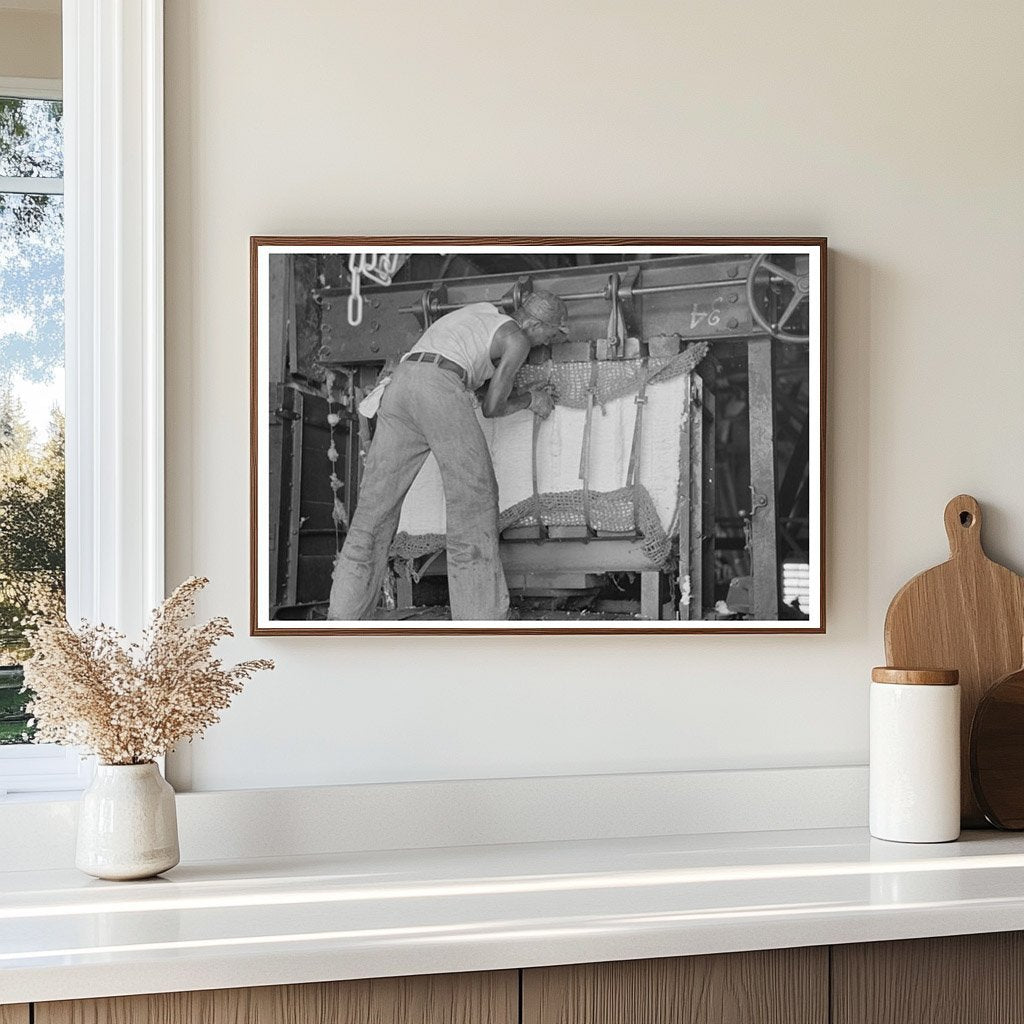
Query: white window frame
[[114, 344], [31, 89]]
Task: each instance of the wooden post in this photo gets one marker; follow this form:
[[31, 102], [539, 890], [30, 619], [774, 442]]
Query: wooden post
[[685, 513], [291, 583], [764, 542], [403, 594], [650, 595], [275, 428], [707, 527], [697, 501], [695, 414]]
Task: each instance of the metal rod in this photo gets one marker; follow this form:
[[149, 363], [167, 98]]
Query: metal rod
[[447, 307], [336, 364]]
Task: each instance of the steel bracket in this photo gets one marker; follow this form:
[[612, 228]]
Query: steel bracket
[[758, 501]]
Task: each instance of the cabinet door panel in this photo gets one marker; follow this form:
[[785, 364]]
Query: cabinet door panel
[[484, 998], [778, 986], [14, 1014], [960, 979]]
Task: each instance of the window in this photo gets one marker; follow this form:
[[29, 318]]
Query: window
[[32, 548], [112, 205], [796, 585]]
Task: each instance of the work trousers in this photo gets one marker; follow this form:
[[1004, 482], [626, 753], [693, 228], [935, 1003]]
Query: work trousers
[[425, 409]]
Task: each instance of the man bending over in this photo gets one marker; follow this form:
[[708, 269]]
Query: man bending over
[[428, 407]]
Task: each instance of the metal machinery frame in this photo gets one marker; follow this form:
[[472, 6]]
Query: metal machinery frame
[[641, 306]]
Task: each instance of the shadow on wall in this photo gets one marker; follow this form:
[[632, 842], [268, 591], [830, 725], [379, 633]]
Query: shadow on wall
[[848, 425]]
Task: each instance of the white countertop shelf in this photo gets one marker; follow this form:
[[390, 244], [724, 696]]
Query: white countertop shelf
[[224, 924]]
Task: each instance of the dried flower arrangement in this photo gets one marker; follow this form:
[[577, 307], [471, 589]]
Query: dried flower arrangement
[[130, 703]]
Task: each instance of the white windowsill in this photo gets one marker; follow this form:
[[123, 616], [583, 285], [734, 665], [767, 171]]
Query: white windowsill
[[42, 771], [48, 797], [388, 913]]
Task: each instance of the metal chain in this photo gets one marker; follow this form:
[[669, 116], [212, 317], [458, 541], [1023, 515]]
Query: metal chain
[[355, 299], [377, 267]]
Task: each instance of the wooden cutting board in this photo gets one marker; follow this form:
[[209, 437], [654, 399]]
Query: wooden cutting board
[[967, 614]]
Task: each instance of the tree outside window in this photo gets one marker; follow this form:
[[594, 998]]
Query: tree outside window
[[31, 386]]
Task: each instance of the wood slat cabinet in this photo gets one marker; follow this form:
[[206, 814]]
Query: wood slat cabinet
[[962, 979], [776, 986], [481, 998], [967, 979]]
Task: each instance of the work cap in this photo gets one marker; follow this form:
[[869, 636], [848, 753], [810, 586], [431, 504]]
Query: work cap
[[548, 308]]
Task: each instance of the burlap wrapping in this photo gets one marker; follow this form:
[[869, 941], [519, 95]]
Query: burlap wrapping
[[610, 511], [570, 382]]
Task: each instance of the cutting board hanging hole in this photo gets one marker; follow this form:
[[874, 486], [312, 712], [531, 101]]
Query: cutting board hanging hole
[[963, 526]]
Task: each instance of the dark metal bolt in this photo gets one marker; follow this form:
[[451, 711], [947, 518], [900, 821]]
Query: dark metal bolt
[[733, 271], [374, 346], [733, 322], [731, 297]]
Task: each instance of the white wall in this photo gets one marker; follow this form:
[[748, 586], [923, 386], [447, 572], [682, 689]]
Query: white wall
[[895, 129]]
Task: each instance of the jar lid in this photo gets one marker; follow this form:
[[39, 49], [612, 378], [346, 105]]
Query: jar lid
[[916, 676]]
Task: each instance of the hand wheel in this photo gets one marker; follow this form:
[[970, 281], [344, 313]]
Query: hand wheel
[[762, 272]]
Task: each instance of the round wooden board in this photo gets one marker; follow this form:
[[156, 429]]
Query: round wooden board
[[997, 752]]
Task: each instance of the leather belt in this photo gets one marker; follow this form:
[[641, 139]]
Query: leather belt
[[442, 362]]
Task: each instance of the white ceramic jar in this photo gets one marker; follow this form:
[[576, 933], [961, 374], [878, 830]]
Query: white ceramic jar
[[127, 823], [915, 755]]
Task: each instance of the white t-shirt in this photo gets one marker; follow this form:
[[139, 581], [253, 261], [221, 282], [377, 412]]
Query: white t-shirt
[[465, 337]]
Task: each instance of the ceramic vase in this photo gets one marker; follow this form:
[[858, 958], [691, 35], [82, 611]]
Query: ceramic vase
[[127, 825]]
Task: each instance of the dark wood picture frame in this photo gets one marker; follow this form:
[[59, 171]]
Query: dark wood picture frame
[[817, 622]]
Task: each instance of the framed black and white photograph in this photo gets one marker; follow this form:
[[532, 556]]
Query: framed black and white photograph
[[537, 435]]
